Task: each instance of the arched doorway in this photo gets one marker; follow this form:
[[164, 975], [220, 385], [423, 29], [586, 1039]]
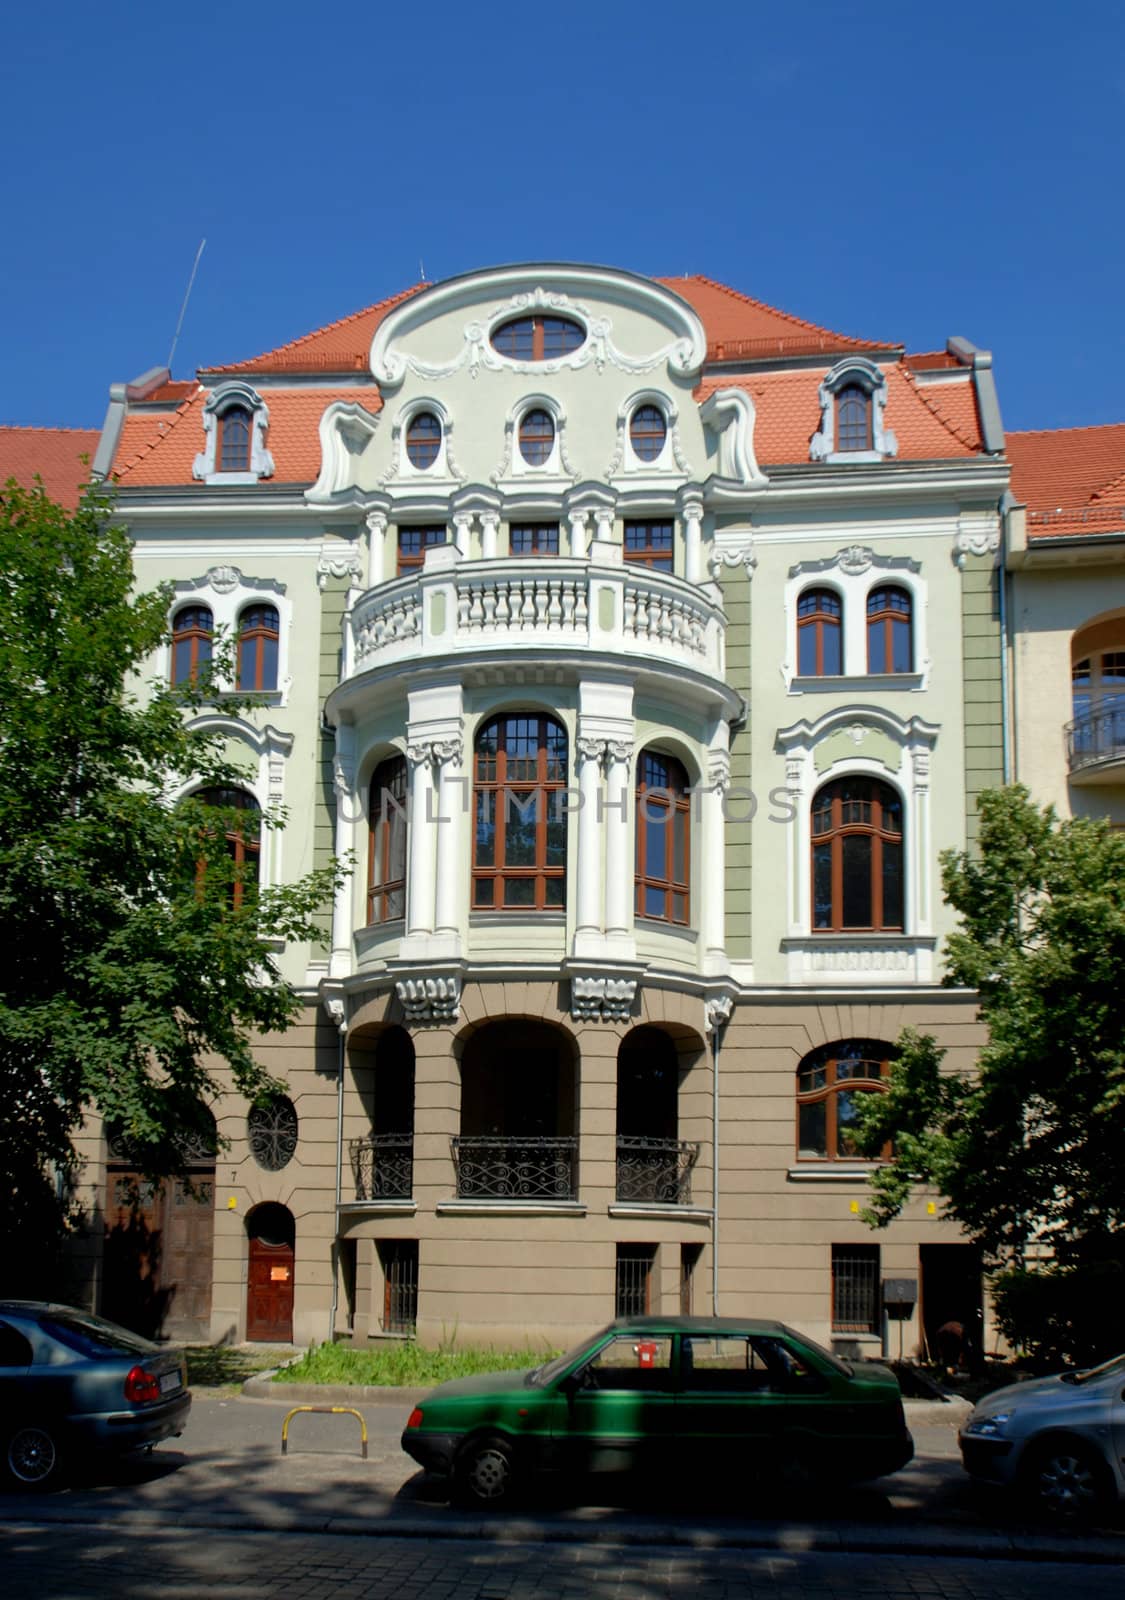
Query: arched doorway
[[653, 1163], [518, 1138], [269, 1277]]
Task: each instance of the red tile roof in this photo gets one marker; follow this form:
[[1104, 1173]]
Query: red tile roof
[[54, 454], [1072, 480], [342, 346], [738, 327], [932, 361]]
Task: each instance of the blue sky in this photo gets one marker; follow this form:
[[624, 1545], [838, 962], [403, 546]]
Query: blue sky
[[900, 172]]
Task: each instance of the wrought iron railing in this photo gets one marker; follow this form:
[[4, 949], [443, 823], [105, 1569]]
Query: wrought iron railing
[[655, 1171], [521, 1168], [1097, 736], [383, 1166]]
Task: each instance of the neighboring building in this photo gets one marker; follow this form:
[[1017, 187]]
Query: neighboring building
[[60, 458], [643, 642], [1066, 560]]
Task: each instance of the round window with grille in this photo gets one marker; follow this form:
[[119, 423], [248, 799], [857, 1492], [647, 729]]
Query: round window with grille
[[272, 1132]]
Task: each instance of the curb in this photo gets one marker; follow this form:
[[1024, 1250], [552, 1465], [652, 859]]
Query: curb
[[792, 1539]]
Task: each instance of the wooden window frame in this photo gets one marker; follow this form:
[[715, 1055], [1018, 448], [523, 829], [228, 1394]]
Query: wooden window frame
[[542, 328], [648, 441], [389, 776], [500, 785], [820, 622], [657, 557], [675, 802], [256, 634], [243, 447], [245, 852], [423, 449], [197, 633], [544, 538], [840, 828], [848, 395], [882, 622], [415, 560], [828, 1059], [535, 448]]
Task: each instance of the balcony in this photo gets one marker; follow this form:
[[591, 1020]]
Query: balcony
[[527, 1169], [1095, 746], [538, 606], [654, 1172], [383, 1166]]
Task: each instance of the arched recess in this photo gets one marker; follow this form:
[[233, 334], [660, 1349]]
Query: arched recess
[[519, 1114], [654, 1164], [159, 1235], [271, 1258], [382, 1158]]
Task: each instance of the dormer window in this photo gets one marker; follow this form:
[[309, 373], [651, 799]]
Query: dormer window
[[423, 440], [853, 399], [235, 423], [538, 338]]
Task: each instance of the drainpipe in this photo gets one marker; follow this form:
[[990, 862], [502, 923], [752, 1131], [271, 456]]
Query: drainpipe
[[715, 1170], [335, 1009], [1006, 504]]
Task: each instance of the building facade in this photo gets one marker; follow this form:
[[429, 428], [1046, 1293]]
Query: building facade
[[644, 646]]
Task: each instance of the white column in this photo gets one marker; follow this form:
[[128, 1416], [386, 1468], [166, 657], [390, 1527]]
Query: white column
[[619, 873], [376, 548], [588, 908], [604, 516], [578, 521], [917, 850], [448, 824], [693, 540], [421, 868], [489, 523], [462, 532], [711, 889], [340, 960]]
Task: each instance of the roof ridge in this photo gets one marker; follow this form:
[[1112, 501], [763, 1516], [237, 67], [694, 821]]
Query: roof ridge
[[163, 430], [763, 305], [316, 333], [1079, 427], [47, 427], [939, 416]]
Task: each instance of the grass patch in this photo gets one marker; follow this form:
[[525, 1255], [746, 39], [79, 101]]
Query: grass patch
[[405, 1365], [217, 1366]]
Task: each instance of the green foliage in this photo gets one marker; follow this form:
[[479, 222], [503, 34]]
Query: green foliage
[[404, 1365], [1064, 1315], [136, 954], [1028, 1148]]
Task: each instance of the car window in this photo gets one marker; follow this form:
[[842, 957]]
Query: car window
[[631, 1361], [552, 1369], [15, 1350], [93, 1338], [791, 1369], [730, 1364]]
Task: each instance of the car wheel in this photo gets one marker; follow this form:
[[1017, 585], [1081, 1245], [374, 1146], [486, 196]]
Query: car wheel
[[32, 1456], [484, 1475], [1067, 1480]]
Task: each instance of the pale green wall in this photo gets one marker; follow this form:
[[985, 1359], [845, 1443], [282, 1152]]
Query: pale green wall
[[981, 647]]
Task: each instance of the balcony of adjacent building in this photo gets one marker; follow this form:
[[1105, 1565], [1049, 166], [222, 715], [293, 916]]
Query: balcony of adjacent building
[[1095, 739], [541, 606]]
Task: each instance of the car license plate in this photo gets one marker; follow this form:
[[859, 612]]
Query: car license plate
[[170, 1381]]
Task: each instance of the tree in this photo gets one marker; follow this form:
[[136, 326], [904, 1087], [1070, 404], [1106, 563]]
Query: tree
[[1027, 1151], [138, 951]]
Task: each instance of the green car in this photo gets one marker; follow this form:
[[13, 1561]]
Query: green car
[[689, 1394]]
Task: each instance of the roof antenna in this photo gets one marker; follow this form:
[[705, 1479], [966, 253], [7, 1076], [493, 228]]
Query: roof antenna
[[421, 270], [183, 308]]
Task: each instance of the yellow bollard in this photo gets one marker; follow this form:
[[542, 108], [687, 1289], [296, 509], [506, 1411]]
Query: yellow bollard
[[336, 1411]]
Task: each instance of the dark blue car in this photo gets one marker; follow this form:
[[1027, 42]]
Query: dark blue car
[[73, 1386]]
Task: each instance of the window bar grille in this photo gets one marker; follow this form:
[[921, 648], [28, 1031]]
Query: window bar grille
[[400, 1286], [634, 1279], [855, 1291]]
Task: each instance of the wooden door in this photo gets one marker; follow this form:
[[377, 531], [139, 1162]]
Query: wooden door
[[189, 1233], [158, 1254], [269, 1293]]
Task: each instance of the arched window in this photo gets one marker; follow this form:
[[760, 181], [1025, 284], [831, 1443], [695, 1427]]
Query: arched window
[[853, 418], [828, 1081], [820, 632], [857, 857], [537, 436], [519, 819], [647, 432], [663, 869], [242, 833], [423, 440], [386, 869], [259, 629], [192, 629], [889, 644], [235, 425]]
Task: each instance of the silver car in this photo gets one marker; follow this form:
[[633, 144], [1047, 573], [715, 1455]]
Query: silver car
[[1059, 1441]]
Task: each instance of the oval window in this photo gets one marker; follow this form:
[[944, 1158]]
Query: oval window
[[423, 440], [538, 338], [537, 437], [647, 432], [272, 1133]]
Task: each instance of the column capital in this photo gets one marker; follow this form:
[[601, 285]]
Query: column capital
[[377, 521], [590, 749], [718, 769], [619, 750]]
